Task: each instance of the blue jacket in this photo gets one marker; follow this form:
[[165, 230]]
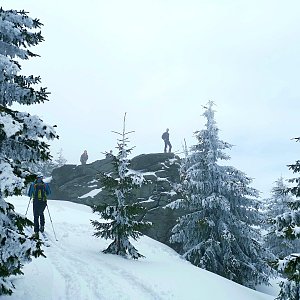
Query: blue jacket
[[31, 188]]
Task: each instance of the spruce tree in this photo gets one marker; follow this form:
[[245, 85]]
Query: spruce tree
[[20, 139], [287, 226], [278, 204], [120, 220], [60, 160], [218, 231], [46, 167]]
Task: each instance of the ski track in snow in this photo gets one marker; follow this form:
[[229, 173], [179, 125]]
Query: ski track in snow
[[79, 280]]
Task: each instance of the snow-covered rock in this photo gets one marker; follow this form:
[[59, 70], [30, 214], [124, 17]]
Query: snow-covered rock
[[77, 183]]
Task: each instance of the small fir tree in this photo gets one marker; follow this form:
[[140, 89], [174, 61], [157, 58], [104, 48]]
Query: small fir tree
[[120, 221], [278, 204], [287, 226], [218, 231], [46, 167], [60, 160], [20, 139]]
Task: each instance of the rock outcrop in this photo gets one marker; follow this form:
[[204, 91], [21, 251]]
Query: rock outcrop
[[80, 184]]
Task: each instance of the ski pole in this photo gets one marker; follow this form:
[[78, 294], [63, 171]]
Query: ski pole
[[52, 223], [28, 206]]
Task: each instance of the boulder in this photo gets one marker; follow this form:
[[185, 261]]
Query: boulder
[[80, 184]]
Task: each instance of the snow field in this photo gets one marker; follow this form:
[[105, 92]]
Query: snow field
[[75, 267]]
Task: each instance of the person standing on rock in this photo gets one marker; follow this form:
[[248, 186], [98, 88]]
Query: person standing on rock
[[166, 137], [109, 154], [84, 157]]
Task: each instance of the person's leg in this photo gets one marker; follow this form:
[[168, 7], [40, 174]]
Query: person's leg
[[170, 146], [166, 144], [42, 217], [35, 216]]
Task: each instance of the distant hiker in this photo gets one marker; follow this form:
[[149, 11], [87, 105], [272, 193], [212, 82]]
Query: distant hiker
[[38, 191], [84, 157], [109, 154], [166, 137]]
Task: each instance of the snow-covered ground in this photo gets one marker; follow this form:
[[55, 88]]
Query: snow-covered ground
[[76, 269]]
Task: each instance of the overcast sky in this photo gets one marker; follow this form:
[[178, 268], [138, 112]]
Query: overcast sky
[[160, 61]]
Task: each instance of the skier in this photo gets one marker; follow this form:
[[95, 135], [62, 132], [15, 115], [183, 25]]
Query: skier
[[38, 191], [84, 157], [166, 137]]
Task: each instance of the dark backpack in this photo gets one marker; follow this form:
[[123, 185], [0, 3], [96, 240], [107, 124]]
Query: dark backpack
[[84, 157], [39, 191], [164, 136]]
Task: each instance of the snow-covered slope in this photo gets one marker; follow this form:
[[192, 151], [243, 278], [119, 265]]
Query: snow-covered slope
[[75, 267]]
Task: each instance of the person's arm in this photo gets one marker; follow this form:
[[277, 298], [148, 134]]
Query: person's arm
[[47, 189], [30, 190]]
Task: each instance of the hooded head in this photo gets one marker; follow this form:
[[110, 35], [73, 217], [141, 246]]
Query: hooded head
[[39, 176]]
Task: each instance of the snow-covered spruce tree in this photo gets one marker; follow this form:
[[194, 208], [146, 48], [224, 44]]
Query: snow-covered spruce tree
[[46, 167], [20, 139], [287, 226], [295, 190], [217, 232], [278, 204], [120, 220], [60, 160]]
